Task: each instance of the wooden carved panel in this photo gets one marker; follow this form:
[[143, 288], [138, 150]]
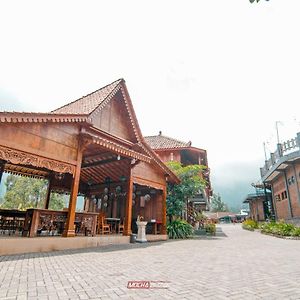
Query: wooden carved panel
[[23, 158]]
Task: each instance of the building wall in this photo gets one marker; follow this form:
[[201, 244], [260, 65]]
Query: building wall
[[169, 155], [280, 201], [57, 141], [282, 191], [257, 210], [292, 179]]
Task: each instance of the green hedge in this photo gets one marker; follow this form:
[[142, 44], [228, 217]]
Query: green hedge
[[250, 225], [280, 228], [179, 229]]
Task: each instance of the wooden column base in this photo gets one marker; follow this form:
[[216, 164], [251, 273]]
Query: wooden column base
[[127, 232], [69, 233], [163, 229]]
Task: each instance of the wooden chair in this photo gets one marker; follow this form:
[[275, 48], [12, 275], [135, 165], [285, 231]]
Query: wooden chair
[[103, 227], [121, 227]]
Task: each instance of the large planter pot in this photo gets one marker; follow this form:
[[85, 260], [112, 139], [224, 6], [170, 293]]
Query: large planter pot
[[141, 236]]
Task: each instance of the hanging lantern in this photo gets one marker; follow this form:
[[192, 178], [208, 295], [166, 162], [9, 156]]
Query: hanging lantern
[[118, 189], [133, 202], [133, 195], [147, 197], [105, 190], [105, 198]]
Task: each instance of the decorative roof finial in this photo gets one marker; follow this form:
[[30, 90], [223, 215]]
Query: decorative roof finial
[[160, 132]]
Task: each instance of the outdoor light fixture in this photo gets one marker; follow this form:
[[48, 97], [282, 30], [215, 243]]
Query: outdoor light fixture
[[59, 176], [118, 189], [118, 157], [122, 178]]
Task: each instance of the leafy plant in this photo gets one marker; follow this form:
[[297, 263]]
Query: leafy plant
[[179, 229], [191, 183], [295, 231], [250, 225], [280, 228], [210, 228]]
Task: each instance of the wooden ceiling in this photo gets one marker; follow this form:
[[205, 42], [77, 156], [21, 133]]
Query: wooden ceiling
[[98, 164]]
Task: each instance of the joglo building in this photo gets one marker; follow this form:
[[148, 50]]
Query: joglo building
[[91, 147]]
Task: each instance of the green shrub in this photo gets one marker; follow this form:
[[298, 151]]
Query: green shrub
[[250, 224], [280, 228], [210, 228], [295, 231], [179, 229]]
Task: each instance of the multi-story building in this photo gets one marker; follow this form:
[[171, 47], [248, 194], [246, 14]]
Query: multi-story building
[[282, 172], [170, 149]]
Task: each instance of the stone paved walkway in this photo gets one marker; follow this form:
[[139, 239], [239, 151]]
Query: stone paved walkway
[[235, 265]]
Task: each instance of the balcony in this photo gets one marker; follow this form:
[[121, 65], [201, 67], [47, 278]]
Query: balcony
[[285, 152]]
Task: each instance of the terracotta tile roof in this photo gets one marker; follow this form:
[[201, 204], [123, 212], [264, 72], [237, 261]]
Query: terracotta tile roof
[[163, 142], [87, 104]]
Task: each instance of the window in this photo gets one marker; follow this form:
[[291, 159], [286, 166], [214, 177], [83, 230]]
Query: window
[[283, 195]]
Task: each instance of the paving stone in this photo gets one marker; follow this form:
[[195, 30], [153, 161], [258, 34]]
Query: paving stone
[[236, 264]]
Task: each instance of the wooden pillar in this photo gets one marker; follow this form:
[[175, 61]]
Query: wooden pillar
[[69, 230], [86, 203], [47, 201], [128, 206], [115, 207], [1, 169], [164, 211]]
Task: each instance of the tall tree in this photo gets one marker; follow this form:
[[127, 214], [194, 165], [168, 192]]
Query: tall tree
[[217, 204], [190, 185], [24, 192]]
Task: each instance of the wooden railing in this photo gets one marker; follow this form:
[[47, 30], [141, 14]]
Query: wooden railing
[[43, 222], [11, 221]]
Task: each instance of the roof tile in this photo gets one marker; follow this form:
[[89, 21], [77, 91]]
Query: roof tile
[[164, 142], [87, 104]]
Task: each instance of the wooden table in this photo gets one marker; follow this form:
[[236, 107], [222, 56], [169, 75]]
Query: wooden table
[[113, 222]]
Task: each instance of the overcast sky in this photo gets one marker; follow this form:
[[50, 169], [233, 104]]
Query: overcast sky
[[217, 73]]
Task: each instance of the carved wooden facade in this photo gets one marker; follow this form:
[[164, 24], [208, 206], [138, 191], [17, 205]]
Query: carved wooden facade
[[82, 146]]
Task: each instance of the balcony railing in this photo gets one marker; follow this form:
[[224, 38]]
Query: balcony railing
[[283, 149]]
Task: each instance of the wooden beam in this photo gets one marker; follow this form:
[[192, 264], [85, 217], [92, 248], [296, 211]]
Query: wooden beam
[[69, 230], [164, 211], [100, 162], [128, 206]]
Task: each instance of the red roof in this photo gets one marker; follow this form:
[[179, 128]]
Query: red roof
[[165, 142], [87, 104]]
